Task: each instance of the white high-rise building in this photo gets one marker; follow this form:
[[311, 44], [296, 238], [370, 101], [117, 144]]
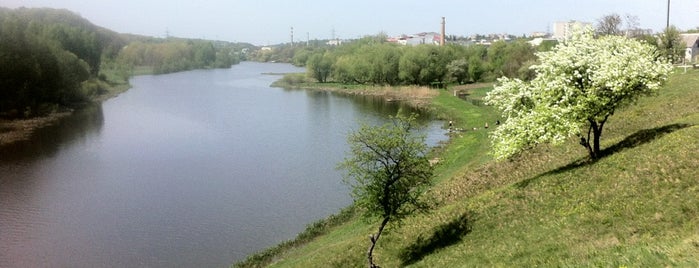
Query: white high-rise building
[[564, 30]]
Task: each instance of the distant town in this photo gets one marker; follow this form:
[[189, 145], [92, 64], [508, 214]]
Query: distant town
[[560, 31]]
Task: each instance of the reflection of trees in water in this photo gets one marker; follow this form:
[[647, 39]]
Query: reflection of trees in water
[[370, 104], [47, 141], [379, 105]]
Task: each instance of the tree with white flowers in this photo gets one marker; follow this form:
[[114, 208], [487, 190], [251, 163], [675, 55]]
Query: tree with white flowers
[[578, 86]]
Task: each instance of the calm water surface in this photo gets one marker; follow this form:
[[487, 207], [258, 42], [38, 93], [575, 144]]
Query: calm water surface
[[194, 169]]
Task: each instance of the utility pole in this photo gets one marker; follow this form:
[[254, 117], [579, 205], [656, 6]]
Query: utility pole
[[292, 36], [667, 25]]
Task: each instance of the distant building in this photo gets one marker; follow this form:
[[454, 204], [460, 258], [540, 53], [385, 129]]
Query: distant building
[[334, 42], [565, 30], [538, 34], [692, 43], [417, 39]]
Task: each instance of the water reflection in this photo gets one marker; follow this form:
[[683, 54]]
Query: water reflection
[[371, 104], [46, 142]]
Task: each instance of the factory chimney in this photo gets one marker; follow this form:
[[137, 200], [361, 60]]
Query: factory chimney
[[441, 38]]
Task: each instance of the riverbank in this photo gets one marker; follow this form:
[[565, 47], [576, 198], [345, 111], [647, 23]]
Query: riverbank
[[16, 130], [415, 96], [12, 131], [419, 97], [546, 206]]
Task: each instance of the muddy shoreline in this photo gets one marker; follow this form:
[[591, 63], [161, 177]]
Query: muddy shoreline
[[16, 130], [12, 131]]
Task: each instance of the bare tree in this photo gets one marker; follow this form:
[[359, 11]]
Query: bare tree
[[632, 25], [609, 25]]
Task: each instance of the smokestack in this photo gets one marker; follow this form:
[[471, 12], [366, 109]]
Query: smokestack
[[441, 38]]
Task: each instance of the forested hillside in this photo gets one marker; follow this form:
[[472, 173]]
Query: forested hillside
[[53, 58]]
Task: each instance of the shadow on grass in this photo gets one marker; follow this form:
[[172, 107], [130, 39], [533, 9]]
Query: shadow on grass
[[443, 236], [639, 138]]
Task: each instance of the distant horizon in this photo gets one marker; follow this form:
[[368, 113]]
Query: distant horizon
[[269, 22]]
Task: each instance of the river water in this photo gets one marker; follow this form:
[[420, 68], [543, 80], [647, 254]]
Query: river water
[[193, 169]]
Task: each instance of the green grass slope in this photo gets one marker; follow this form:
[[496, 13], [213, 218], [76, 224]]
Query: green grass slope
[[638, 206]]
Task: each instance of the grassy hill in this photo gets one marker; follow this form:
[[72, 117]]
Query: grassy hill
[[638, 206]]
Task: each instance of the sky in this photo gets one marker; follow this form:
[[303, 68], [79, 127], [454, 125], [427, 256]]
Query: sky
[[268, 22]]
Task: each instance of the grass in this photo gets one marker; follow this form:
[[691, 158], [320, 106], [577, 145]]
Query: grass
[[638, 206]]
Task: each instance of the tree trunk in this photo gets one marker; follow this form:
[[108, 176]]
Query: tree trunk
[[592, 143], [596, 133], [374, 239]]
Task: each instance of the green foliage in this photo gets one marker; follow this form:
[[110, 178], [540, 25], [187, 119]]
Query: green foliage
[[45, 55], [671, 45], [506, 59], [578, 85], [388, 171], [370, 61], [423, 65], [301, 57], [457, 71], [387, 168], [174, 55], [319, 67], [291, 80], [648, 39]]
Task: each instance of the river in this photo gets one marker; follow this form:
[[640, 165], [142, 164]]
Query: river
[[192, 169]]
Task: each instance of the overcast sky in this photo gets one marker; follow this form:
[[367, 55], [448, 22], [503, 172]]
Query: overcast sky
[[264, 22]]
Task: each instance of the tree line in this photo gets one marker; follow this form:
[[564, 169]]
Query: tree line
[[178, 54], [372, 60], [52, 58], [45, 55]]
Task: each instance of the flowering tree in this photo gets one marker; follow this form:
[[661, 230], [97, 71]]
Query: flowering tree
[[578, 85]]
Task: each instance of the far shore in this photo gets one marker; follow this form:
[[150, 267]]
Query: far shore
[[419, 97]]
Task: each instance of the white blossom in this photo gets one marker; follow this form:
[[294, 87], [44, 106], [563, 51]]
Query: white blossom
[[579, 80]]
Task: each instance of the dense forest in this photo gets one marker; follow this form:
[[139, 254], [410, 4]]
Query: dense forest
[[50, 59]]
